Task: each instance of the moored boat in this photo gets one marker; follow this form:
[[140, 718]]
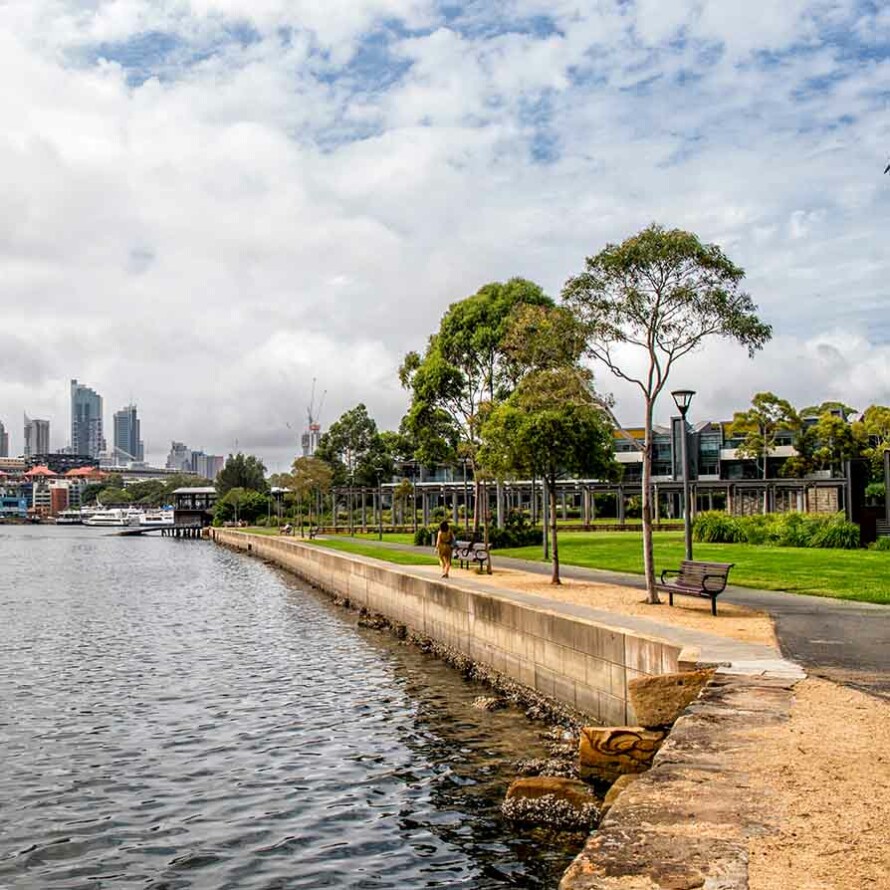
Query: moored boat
[[114, 518]]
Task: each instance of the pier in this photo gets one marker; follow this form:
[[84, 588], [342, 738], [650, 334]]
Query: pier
[[166, 531]]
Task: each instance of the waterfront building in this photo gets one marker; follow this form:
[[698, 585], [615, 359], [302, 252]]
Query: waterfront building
[[128, 446], [36, 437], [179, 458], [4, 441], [87, 435]]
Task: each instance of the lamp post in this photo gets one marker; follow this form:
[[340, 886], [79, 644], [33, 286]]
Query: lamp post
[[379, 505], [683, 399]]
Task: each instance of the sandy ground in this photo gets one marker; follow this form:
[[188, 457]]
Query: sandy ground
[[827, 776], [731, 621]]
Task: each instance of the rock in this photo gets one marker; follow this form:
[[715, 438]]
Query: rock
[[617, 787], [659, 700], [541, 767], [489, 703], [612, 751], [551, 801]]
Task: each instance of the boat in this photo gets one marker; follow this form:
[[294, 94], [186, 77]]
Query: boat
[[159, 518], [113, 518], [71, 517]]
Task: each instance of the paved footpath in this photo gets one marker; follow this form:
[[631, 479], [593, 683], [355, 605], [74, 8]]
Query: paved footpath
[[842, 640]]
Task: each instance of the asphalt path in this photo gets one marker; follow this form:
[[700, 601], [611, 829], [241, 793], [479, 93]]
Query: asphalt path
[[842, 640]]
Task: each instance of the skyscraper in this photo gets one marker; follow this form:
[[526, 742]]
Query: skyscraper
[[127, 444], [4, 441], [86, 421], [36, 437]]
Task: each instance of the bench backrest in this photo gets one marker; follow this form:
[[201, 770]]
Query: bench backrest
[[693, 573]]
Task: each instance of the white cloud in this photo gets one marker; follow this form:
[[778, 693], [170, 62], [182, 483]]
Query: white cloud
[[261, 211]]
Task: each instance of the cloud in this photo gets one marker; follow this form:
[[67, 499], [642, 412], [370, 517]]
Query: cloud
[[209, 202]]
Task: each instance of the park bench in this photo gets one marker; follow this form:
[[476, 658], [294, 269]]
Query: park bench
[[286, 530], [466, 552], [707, 579], [313, 531]]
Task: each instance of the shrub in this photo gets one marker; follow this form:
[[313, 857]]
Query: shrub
[[501, 538], [424, 537], [777, 529], [883, 543], [713, 527]]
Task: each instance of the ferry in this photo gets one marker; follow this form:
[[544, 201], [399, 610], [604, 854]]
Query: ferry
[[114, 518], [159, 518], [70, 517]]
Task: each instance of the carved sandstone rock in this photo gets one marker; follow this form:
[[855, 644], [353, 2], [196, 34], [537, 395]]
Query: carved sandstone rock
[[607, 752], [658, 701], [552, 801]]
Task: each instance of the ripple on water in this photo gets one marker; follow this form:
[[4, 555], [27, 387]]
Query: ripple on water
[[175, 715]]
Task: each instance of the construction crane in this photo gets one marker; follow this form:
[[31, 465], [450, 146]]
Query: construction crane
[[313, 433]]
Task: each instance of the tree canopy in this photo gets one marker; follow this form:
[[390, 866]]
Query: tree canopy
[[646, 303], [242, 471], [354, 449]]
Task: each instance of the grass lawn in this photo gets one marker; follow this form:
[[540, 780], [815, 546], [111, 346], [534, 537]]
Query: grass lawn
[[845, 574], [399, 557]]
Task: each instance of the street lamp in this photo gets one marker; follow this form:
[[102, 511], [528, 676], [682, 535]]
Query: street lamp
[[379, 505], [683, 399]]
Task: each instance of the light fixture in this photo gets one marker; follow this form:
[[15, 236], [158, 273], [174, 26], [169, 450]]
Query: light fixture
[[683, 399]]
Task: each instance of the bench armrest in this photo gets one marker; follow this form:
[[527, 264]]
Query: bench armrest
[[665, 572], [720, 578]]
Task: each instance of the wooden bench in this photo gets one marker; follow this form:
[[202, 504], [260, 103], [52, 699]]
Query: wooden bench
[[313, 531], [707, 579], [466, 552], [286, 530]]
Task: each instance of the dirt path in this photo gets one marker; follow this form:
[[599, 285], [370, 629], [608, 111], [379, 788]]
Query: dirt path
[[827, 775]]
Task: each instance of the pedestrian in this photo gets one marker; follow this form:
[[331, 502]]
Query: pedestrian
[[444, 547]]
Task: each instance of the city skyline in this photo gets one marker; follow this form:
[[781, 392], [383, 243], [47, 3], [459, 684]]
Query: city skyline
[[226, 200]]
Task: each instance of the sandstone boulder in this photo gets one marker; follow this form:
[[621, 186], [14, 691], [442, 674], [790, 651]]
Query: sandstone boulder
[[659, 700], [607, 752], [617, 787], [552, 801]]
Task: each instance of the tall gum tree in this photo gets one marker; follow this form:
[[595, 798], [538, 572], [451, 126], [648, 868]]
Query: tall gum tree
[[462, 374], [654, 298]]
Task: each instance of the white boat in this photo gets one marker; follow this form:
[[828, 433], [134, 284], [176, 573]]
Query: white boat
[[157, 518], [69, 517], [113, 518]]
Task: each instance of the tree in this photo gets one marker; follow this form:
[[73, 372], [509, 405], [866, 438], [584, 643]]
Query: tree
[[241, 504], [549, 426], [354, 449], [759, 428], [656, 297], [874, 429], [309, 476], [463, 369], [242, 471]]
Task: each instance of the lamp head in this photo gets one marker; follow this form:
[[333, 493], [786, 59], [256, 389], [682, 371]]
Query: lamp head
[[683, 399]]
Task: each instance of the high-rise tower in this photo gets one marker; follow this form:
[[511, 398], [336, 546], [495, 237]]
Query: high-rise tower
[[4, 441], [127, 443], [86, 421], [36, 437]]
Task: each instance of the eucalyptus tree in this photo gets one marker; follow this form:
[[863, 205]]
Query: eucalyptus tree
[[647, 303], [462, 373], [550, 425]]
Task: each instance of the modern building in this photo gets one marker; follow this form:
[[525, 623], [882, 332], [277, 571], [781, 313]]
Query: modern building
[[310, 439], [207, 466], [87, 436], [179, 458], [4, 441], [36, 437], [128, 446]]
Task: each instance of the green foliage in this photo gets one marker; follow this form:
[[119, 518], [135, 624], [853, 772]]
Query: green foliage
[[354, 449], [241, 504], [761, 424], [463, 368], [882, 544], [875, 492], [242, 471], [113, 495], [517, 532], [424, 537], [777, 530]]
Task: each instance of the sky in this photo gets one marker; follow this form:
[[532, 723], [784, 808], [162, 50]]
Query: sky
[[209, 203]]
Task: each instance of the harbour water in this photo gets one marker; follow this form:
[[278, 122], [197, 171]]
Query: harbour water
[[173, 715]]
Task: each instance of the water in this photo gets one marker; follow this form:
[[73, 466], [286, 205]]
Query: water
[[176, 715]]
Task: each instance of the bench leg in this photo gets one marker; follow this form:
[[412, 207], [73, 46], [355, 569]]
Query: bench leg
[[670, 597], [714, 606]]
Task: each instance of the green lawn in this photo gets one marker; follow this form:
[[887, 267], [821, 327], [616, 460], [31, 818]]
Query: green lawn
[[845, 574]]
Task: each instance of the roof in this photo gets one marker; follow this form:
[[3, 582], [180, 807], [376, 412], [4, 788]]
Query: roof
[[85, 471], [206, 489], [40, 471]]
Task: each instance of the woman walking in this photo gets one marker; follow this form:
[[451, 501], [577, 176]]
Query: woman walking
[[444, 547]]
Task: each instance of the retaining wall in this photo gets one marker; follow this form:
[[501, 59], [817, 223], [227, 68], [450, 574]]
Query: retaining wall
[[579, 663]]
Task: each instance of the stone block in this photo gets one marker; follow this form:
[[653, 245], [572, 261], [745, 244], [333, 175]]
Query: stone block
[[658, 701], [617, 787], [612, 751], [552, 801]]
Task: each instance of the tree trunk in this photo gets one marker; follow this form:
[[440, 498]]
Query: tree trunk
[[648, 557], [554, 579], [765, 475]]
